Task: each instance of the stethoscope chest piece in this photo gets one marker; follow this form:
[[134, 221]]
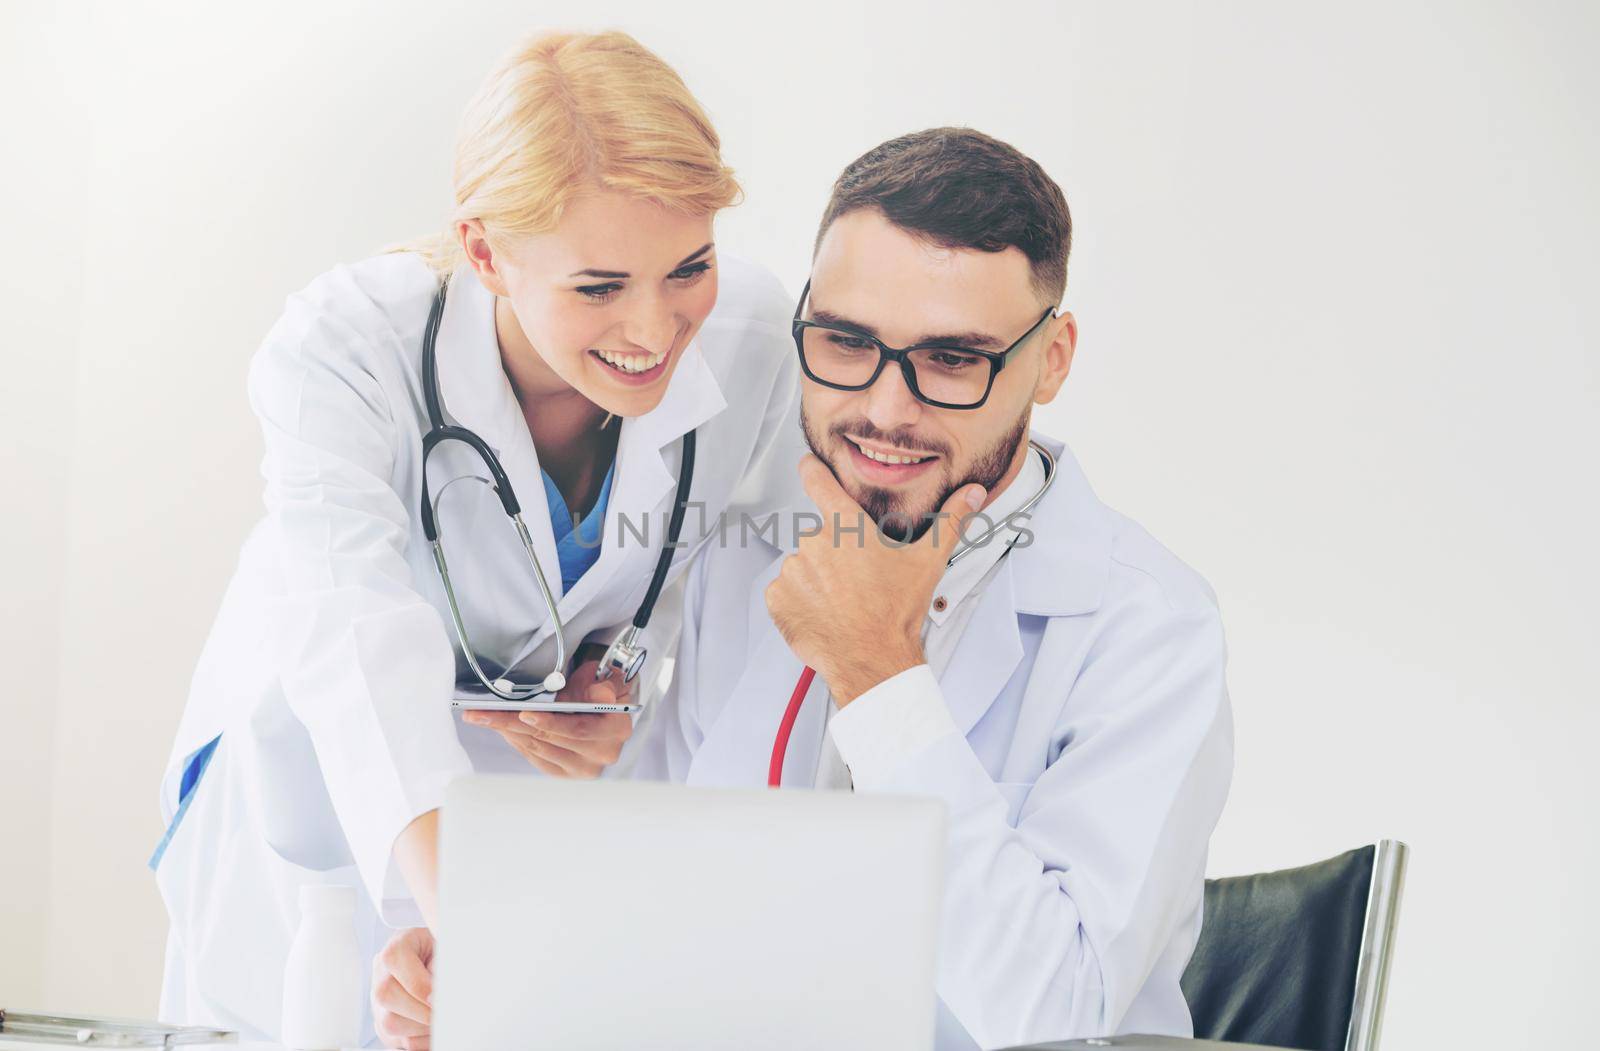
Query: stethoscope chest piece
[[624, 655]]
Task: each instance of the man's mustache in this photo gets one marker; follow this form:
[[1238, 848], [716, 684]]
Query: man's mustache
[[900, 439]]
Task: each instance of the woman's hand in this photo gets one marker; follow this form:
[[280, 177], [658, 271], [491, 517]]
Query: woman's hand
[[568, 745], [402, 990]]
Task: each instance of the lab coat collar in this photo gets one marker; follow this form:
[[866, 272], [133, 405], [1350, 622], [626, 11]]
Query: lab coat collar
[[1064, 571], [960, 579], [693, 396], [986, 655], [472, 380]]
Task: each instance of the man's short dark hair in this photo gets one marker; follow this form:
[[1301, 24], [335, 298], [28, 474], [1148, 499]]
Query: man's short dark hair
[[960, 188]]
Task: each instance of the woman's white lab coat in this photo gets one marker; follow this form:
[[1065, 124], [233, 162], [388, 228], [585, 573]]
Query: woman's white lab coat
[[328, 674]]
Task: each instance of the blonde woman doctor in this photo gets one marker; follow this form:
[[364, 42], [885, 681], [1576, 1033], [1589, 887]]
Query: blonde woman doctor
[[588, 326]]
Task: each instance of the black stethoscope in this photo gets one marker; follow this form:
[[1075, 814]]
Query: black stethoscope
[[626, 654]]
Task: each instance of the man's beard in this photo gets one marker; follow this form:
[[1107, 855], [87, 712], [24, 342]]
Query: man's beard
[[895, 519]]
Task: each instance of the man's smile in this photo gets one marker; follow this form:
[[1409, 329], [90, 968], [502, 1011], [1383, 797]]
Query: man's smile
[[887, 465]]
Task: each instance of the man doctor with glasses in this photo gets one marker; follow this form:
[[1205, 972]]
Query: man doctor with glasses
[[1057, 678]]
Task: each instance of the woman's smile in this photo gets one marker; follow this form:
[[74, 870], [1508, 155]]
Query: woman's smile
[[635, 368]]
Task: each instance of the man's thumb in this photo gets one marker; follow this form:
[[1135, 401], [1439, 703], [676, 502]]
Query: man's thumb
[[953, 516]]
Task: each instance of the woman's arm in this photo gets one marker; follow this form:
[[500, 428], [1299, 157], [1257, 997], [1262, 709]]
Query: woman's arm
[[416, 852], [364, 661]]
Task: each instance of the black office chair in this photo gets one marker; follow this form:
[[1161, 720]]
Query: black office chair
[[1299, 958]]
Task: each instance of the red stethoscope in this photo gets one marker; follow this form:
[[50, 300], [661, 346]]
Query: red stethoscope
[[780, 744], [802, 686]]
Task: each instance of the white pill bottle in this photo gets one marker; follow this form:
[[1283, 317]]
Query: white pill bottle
[[322, 994]]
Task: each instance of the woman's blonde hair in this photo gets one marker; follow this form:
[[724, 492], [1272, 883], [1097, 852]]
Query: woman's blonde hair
[[567, 113]]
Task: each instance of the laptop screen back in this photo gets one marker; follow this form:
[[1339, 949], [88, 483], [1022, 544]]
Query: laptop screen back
[[580, 915]]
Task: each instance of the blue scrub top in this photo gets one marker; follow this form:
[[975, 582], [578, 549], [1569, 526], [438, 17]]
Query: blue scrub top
[[576, 557]]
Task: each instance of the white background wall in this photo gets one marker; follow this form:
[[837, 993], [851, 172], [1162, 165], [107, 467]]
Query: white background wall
[[1334, 270], [40, 292]]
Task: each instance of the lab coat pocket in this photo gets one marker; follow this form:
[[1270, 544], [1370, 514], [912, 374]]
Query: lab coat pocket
[[220, 884], [1015, 794]]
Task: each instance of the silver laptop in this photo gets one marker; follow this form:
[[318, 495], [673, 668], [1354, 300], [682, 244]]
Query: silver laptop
[[619, 915]]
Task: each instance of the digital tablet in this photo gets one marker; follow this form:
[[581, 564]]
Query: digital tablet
[[476, 697]]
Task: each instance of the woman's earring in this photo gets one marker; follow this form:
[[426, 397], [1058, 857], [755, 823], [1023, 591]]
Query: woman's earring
[[607, 421]]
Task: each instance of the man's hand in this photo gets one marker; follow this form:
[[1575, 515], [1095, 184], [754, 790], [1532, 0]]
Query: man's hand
[[568, 745], [851, 605], [402, 988]]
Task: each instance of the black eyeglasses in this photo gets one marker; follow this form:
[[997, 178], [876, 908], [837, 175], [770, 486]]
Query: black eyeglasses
[[944, 376]]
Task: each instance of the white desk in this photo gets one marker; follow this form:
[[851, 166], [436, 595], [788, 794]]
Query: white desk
[[17, 1045]]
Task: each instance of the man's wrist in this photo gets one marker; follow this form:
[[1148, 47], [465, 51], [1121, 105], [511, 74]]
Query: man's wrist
[[849, 678]]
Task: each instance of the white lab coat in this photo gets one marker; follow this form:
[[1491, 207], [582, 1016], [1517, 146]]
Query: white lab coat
[[329, 670], [1088, 761]]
